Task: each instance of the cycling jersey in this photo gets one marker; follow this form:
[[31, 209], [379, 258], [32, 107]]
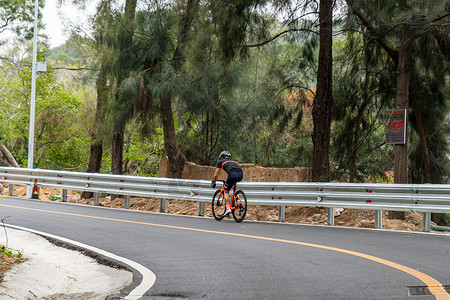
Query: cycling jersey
[[228, 165], [233, 170]]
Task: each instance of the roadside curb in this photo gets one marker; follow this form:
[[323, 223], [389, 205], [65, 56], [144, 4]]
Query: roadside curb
[[143, 278]]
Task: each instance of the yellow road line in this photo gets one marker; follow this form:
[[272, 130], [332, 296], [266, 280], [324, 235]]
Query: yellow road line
[[436, 288]]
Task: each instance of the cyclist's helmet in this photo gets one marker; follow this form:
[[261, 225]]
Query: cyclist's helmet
[[225, 154]]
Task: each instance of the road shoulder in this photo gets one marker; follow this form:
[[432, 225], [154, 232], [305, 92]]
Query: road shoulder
[[53, 272]]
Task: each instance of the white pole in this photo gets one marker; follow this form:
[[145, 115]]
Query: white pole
[[33, 97]]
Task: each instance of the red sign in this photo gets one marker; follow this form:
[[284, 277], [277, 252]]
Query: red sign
[[396, 127]]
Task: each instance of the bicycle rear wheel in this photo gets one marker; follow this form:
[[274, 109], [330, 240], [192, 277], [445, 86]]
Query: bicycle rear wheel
[[218, 205], [241, 210]]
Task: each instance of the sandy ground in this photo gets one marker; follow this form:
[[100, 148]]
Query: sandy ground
[[51, 272]]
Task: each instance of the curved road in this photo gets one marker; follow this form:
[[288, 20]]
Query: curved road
[[199, 258]]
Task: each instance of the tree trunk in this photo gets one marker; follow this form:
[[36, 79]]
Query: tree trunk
[[117, 155], [95, 158], [117, 152], [118, 136], [323, 102], [402, 102], [95, 161], [183, 35], [9, 157], [422, 136], [176, 160], [130, 10], [423, 143]]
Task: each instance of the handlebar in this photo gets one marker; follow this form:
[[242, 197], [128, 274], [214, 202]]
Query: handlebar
[[223, 181]]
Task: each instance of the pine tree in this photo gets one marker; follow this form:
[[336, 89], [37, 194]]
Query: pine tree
[[362, 90], [323, 102], [176, 160], [412, 20]]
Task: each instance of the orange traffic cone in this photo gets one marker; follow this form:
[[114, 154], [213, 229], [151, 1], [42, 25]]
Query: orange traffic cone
[[35, 194]]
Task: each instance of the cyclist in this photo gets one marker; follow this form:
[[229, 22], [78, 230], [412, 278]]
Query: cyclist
[[234, 172]]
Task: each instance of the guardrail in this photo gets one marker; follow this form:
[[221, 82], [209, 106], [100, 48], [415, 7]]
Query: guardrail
[[424, 198]]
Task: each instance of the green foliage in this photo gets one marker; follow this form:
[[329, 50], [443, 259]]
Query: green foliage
[[142, 68], [430, 93], [387, 19], [242, 106], [76, 59], [8, 252], [54, 197], [443, 220], [254, 101], [60, 136], [72, 52], [142, 155], [18, 16], [362, 85]]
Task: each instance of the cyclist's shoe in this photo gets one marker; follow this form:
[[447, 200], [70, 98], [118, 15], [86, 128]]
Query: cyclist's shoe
[[228, 210]]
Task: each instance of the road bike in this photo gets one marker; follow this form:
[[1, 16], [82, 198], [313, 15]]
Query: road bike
[[238, 204]]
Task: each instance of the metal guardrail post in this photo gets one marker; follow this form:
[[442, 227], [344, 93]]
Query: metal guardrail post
[[127, 202], [379, 219], [162, 207], [64, 195], [96, 199], [201, 209], [281, 213], [330, 213], [11, 190], [426, 222]]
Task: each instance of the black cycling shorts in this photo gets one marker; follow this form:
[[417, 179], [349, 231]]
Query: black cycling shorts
[[233, 177]]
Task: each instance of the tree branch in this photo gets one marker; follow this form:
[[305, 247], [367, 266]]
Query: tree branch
[[442, 40], [8, 156], [280, 34], [392, 52]]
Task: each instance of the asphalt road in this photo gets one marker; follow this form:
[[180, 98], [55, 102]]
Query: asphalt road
[[200, 258]]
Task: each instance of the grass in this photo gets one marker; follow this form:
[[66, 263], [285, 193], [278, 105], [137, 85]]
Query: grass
[[8, 252], [8, 258]]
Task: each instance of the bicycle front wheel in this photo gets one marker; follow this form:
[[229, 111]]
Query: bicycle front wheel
[[218, 205], [241, 207]]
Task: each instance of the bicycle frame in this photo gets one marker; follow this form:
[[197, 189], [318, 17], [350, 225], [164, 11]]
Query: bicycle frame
[[237, 203], [233, 202]]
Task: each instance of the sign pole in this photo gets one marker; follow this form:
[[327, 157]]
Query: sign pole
[[33, 97]]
